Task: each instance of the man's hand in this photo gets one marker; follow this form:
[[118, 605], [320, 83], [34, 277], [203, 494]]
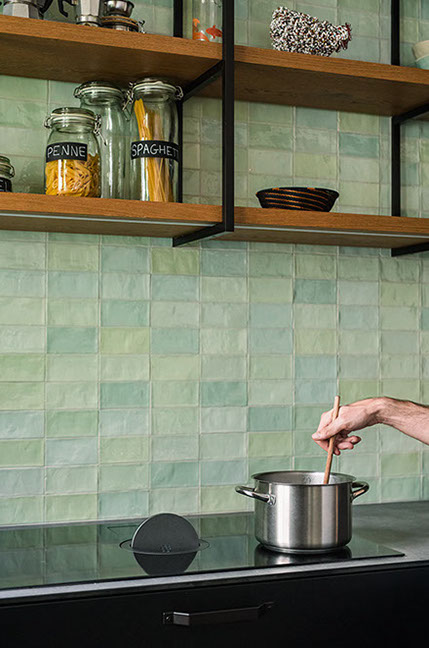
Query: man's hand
[[353, 417]]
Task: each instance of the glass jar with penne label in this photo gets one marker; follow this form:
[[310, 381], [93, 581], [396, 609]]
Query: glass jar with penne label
[[72, 153], [154, 146]]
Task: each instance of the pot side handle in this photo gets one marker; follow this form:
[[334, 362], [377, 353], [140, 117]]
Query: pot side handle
[[251, 493], [361, 488]]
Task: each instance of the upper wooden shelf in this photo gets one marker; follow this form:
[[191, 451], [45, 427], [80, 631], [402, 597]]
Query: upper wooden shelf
[[36, 212], [65, 52]]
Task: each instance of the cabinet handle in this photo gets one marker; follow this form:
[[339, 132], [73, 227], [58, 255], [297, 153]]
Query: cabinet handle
[[216, 617]]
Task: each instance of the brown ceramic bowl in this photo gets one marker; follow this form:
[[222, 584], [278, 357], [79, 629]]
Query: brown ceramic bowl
[[298, 198]]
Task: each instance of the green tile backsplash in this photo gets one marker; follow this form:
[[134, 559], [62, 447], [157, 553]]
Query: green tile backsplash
[[137, 378]]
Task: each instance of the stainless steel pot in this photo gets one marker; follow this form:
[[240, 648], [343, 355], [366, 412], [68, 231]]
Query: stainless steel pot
[[296, 512]]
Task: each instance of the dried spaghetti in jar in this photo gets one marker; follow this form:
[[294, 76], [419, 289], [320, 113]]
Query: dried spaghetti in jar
[[155, 153], [72, 153]]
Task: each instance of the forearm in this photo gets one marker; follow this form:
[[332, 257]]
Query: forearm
[[408, 417]]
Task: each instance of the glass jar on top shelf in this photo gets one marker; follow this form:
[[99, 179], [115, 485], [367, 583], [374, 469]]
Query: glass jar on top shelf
[[154, 154], [207, 20], [107, 100], [7, 172], [72, 153]]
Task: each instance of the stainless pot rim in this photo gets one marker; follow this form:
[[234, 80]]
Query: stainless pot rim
[[274, 477]]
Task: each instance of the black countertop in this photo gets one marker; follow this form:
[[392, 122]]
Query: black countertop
[[67, 560]]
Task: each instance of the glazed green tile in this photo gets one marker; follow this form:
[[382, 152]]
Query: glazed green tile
[[308, 463], [358, 123], [223, 472], [276, 392], [366, 169], [22, 311], [21, 396], [175, 287], [396, 294], [223, 341], [262, 464], [64, 284], [270, 341], [21, 482], [393, 366], [359, 465], [16, 424], [223, 393], [124, 312], [175, 341], [79, 395], [232, 368], [400, 489], [325, 315], [270, 290], [270, 161], [273, 315], [222, 446], [223, 420], [308, 117], [124, 286], [167, 421], [184, 500], [124, 422], [124, 394], [72, 256], [309, 165], [272, 418], [124, 340], [79, 450], [227, 315], [21, 511], [25, 339], [22, 283], [25, 255], [270, 264], [400, 342], [315, 291], [314, 391], [174, 314], [72, 368], [76, 479], [354, 390], [129, 504], [355, 366], [362, 293], [270, 444], [308, 140], [72, 312], [68, 340], [270, 367], [71, 423], [134, 259], [174, 448], [17, 453], [270, 136], [318, 267], [270, 113], [313, 342], [399, 464], [71, 507], [120, 477], [303, 443], [352, 342], [22, 367], [174, 474], [313, 367], [169, 261], [223, 289], [402, 388], [175, 367], [393, 441], [124, 368], [362, 196], [220, 499], [353, 268], [219, 263], [174, 393], [124, 449], [400, 317]]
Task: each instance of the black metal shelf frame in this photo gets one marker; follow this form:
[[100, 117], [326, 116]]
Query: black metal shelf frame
[[395, 134], [224, 69]]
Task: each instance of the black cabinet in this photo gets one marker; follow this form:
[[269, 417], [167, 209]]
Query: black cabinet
[[366, 608]]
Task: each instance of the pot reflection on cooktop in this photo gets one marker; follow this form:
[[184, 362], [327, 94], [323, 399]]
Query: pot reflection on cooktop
[[89, 552]]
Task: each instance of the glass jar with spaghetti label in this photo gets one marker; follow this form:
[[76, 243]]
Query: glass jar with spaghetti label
[[154, 147], [7, 172], [107, 100], [72, 153]]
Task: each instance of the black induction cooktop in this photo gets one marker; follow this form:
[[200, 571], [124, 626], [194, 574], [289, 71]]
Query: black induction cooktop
[[78, 553]]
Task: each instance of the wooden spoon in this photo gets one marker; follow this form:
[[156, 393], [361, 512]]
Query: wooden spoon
[[331, 443]]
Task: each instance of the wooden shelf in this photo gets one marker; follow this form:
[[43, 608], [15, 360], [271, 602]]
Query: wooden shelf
[[37, 212], [66, 52]]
